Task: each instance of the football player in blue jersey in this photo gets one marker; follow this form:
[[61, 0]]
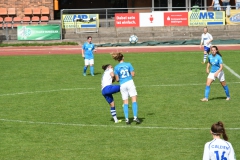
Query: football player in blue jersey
[[216, 63], [218, 148], [123, 73], [206, 40], [108, 89], [88, 50]]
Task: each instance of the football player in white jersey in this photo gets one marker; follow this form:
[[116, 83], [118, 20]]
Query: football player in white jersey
[[108, 89], [206, 40], [218, 149]]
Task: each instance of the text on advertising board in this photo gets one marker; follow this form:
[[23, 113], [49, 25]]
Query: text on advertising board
[[127, 20], [206, 18], [175, 18]]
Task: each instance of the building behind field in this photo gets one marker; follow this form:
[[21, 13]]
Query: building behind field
[[56, 5]]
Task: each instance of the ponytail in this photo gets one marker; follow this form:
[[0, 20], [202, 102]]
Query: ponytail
[[218, 130], [225, 137]]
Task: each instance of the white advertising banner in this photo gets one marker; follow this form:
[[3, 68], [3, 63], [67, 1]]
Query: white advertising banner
[[153, 19]]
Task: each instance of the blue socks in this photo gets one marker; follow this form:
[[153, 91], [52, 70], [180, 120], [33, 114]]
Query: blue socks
[[226, 91], [84, 69], [125, 110], [207, 90], [92, 70], [135, 109]]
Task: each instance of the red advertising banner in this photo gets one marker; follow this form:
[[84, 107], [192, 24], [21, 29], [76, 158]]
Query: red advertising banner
[[175, 18], [126, 19]]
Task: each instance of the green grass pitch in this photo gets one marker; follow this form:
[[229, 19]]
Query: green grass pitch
[[48, 110]]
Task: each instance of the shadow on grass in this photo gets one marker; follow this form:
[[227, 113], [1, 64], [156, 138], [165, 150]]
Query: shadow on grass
[[88, 74], [130, 119], [216, 98]]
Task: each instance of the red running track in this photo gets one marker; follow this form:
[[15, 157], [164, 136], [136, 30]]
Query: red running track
[[43, 50]]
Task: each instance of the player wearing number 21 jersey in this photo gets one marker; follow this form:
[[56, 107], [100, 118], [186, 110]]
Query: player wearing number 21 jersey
[[218, 149], [124, 72]]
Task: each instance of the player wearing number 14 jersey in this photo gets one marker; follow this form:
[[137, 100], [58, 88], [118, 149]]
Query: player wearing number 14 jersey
[[123, 73], [218, 149]]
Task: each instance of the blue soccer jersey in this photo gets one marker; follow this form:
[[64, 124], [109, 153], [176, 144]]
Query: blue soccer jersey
[[215, 62], [123, 70], [88, 49]]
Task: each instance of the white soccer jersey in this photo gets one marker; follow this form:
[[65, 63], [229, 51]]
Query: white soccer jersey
[[218, 149], [206, 38], [216, 2], [106, 78]]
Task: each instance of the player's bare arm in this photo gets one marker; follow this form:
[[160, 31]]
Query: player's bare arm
[[133, 73], [207, 69], [117, 78], [83, 53]]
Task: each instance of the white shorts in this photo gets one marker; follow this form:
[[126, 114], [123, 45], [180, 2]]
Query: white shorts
[[88, 61], [220, 76], [128, 89]]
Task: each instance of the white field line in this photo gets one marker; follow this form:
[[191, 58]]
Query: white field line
[[231, 71], [20, 93], [71, 89], [111, 126]]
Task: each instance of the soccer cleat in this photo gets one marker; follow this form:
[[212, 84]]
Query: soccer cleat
[[127, 122], [136, 120], [204, 100], [228, 98], [84, 74], [203, 62], [118, 121], [92, 74]]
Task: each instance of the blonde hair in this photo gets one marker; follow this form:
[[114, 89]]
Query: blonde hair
[[117, 56], [206, 28]]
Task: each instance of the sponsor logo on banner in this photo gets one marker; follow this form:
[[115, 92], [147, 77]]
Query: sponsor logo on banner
[[80, 21], [175, 18], [206, 18], [127, 20], [151, 19], [234, 17], [39, 32]]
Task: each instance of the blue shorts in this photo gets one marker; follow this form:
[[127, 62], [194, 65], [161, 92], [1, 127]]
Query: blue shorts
[[108, 91], [206, 49]]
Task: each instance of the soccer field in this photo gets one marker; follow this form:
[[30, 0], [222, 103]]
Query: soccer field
[[48, 110]]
